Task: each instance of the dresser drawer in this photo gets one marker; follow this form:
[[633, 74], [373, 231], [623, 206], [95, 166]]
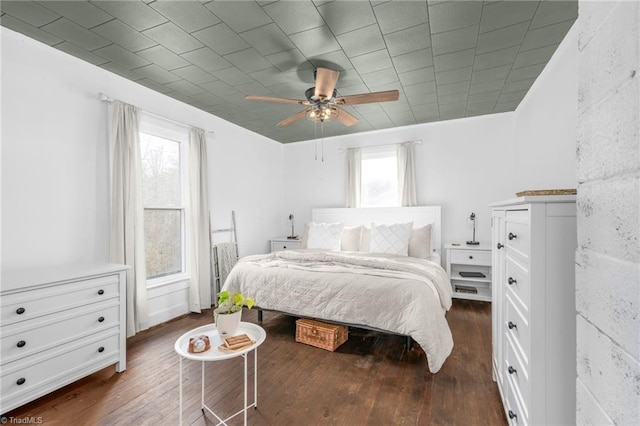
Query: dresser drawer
[[24, 305], [470, 257], [32, 376], [516, 415], [518, 375], [517, 281], [518, 237], [28, 337], [517, 326]]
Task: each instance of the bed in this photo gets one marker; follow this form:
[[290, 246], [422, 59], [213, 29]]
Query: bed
[[400, 290]]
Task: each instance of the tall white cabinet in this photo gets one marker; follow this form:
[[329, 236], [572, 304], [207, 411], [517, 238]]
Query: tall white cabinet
[[534, 315]]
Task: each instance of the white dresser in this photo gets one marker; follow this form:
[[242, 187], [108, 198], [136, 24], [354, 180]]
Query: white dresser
[[58, 325], [534, 315]]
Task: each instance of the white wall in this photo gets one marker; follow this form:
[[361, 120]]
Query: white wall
[[465, 164], [608, 255], [55, 185]]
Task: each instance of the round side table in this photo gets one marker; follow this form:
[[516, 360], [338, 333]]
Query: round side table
[[255, 333]]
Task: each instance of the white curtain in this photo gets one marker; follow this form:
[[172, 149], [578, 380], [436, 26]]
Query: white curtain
[[198, 229], [406, 174], [354, 167], [127, 217]]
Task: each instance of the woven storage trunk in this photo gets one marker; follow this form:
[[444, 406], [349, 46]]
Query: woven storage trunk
[[320, 334]]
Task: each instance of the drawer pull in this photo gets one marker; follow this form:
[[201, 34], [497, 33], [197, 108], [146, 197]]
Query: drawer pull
[[511, 281], [100, 319], [512, 415], [101, 292], [511, 370], [21, 381], [500, 246], [20, 311], [284, 247], [21, 343], [512, 236], [470, 257], [512, 325], [101, 349]]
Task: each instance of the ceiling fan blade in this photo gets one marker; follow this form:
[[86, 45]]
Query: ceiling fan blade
[[326, 80], [367, 98], [293, 118], [345, 118], [272, 99]]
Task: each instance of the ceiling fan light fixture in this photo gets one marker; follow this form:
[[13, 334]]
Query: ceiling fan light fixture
[[322, 113]]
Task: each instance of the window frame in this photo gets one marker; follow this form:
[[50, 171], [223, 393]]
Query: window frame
[[155, 126]]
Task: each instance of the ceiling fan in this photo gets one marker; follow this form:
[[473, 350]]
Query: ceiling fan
[[324, 103]]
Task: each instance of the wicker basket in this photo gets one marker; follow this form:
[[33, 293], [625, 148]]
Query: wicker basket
[[540, 192], [320, 334]]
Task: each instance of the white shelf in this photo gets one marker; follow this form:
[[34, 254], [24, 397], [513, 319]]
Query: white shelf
[[466, 258]]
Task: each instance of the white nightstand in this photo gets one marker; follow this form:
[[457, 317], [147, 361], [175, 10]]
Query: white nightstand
[[463, 259], [283, 243]]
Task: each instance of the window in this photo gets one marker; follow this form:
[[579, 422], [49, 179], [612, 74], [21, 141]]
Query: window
[[163, 191], [379, 177]]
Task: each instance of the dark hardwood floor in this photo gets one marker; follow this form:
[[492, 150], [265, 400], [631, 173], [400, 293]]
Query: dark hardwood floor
[[370, 380]]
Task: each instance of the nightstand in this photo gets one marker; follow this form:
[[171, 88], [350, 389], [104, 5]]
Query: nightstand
[[469, 268], [283, 243]]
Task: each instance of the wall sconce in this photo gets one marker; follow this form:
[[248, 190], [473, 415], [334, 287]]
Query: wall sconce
[[293, 235], [473, 241]]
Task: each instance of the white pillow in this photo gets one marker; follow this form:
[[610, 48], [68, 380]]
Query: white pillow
[[392, 239], [420, 242], [327, 236], [365, 238], [351, 238]]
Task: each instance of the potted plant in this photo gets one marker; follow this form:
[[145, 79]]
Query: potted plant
[[228, 314]]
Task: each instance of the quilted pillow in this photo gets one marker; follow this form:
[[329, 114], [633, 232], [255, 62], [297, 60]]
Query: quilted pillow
[[327, 236], [420, 242], [393, 239], [351, 238]]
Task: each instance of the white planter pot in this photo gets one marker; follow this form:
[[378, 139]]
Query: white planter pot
[[227, 324]]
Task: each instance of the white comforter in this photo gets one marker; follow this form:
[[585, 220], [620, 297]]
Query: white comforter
[[402, 295]]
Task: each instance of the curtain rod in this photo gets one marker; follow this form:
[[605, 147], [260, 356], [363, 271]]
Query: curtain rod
[[416, 142], [105, 98]]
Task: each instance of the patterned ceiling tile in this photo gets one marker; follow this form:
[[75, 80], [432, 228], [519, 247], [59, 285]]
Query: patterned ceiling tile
[[294, 16], [81, 53], [117, 69], [413, 61], [453, 15], [370, 62], [239, 15], [496, 58], [221, 39], [164, 57], [269, 77], [154, 85], [248, 60], [74, 33], [29, 30], [157, 74], [501, 38], [453, 88], [188, 15], [268, 39], [484, 97], [551, 12], [345, 16], [288, 60], [206, 59], [378, 78], [512, 96], [30, 12], [82, 13], [534, 56], [453, 41], [517, 86], [173, 38], [545, 36], [361, 41], [500, 15], [336, 60], [219, 88], [450, 61], [232, 76], [490, 86], [421, 75], [122, 34], [409, 40], [454, 76], [185, 87], [525, 73], [491, 74], [453, 99], [135, 14], [315, 41], [401, 15], [121, 56]]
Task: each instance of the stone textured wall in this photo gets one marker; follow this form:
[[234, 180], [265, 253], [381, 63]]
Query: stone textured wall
[[608, 255]]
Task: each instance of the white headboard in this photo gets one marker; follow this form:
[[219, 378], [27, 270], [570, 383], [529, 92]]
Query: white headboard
[[422, 215]]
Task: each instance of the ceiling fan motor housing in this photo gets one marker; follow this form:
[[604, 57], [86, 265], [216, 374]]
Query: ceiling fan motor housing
[[310, 92]]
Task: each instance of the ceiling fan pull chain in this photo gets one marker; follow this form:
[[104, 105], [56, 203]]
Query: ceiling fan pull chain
[[315, 140], [322, 143]]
